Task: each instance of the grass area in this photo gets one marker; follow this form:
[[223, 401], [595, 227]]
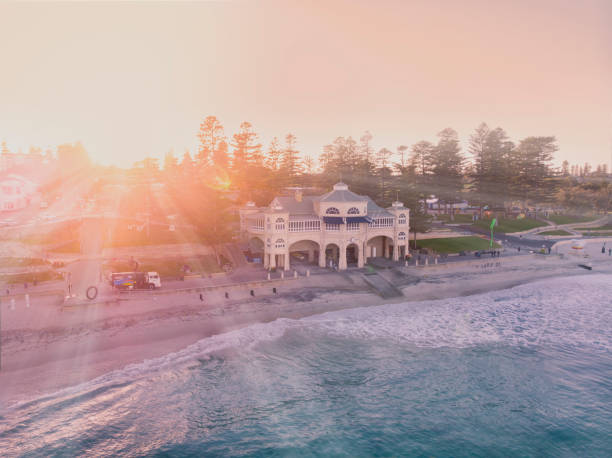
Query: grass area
[[30, 277], [126, 233], [54, 234], [455, 244], [171, 267], [570, 219], [459, 219], [599, 234], [607, 227], [557, 232], [510, 225], [21, 262], [74, 246]]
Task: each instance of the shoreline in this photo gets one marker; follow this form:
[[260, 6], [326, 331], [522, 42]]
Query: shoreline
[[40, 361]]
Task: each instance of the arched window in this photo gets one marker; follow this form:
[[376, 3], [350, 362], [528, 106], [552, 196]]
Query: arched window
[[280, 243], [353, 211], [401, 219], [401, 236], [280, 224], [332, 211]]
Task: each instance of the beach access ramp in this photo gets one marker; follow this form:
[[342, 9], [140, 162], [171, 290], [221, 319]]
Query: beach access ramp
[[381, 285]]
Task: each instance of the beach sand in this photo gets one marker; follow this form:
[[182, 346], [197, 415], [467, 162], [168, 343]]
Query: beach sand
[[47, 347]]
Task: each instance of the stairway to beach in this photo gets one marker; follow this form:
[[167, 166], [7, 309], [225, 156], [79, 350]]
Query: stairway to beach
[[383, 287]]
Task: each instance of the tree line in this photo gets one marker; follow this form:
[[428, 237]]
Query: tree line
[[494, 172]]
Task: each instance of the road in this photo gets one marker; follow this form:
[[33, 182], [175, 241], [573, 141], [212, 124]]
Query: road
[[88, 271]]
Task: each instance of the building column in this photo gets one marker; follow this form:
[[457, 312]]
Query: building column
[[342, 258], [287, 266], [266, 260], [310, 255], [272, 261], [322, 257], [387, 251], [360, 254], [395, 250]]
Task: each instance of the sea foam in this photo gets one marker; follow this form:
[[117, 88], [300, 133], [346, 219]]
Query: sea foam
[[574, 311]]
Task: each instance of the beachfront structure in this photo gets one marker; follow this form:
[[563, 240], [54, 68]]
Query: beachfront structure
[[16, 192], [338, 229]]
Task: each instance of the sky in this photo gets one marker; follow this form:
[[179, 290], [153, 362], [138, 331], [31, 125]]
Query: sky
[[131, 79]]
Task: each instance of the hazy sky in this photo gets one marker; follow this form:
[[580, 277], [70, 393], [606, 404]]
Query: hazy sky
[[131, 79]]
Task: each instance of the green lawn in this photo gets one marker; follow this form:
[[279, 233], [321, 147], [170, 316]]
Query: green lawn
[[511, 225], [121, 236], [172, 267], [607, 227], [455, 244], [21, 262], [570, 219], [599, 234], [30, 277], [557, 232], [74, 246], [53, 234], [459, 219]]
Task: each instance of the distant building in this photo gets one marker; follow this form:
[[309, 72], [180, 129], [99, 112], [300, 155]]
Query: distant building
[[338, 229], [433, 206], [15, 192]]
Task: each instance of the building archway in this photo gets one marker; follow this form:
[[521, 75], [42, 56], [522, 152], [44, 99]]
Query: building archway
[[380, 246], [352, 255], [304, 251], [332, 255]]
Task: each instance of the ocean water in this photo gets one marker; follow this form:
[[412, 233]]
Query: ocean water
[[520, 372]]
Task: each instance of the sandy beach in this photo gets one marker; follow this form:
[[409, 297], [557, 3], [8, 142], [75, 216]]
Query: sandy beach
[[47, 347]]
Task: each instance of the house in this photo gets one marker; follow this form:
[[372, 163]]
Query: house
[[339, 229], [433, 206], [16, 192]]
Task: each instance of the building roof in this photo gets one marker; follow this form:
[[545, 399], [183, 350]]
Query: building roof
[[293, 206], [341, 193], [376, 211]]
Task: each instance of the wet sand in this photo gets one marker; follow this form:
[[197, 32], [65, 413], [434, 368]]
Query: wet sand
[[46, 348]]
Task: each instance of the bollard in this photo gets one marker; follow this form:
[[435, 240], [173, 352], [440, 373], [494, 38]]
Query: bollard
[[12, 303], [416, 263], [405, 263], [308, 273], [436, 261], [426, 261], [226, 295], [252, 293], [274, 290], [27, 299], [268, 275], [295, 274], [282, 274]]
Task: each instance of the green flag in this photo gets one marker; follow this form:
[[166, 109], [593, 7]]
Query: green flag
[[493, 223]]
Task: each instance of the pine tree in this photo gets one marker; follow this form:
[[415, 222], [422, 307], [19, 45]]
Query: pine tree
[[211, 135], [247, 150], [274, 155], [401, 152], [290, 160], [447, 163]]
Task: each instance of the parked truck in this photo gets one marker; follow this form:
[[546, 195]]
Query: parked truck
[[135, 280]]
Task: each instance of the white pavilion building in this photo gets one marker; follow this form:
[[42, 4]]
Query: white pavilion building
[[339, 229]]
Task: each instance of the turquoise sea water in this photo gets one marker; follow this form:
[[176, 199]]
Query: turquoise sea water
[[521, 372]]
